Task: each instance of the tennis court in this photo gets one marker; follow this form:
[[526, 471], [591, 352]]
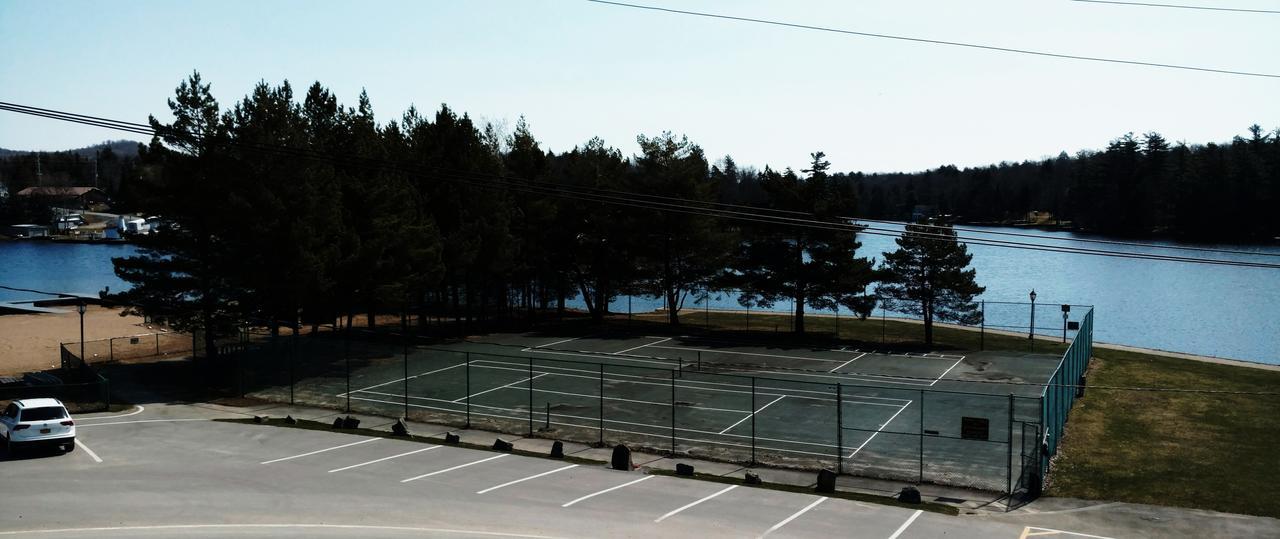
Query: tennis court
[[899, 416]]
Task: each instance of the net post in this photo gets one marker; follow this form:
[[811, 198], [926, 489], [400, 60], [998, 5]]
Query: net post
[[467, 377], [1009, 455], [839, 428], [530, 381], [293, 358], [673, 413], [601, 403], [700, 361], [921, 432], [753, 421], [404, 340]]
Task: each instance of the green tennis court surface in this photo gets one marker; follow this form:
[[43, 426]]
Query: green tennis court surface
[[877, 414]]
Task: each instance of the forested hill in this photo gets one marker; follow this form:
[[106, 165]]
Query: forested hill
[[1138, 186], [121, 148]]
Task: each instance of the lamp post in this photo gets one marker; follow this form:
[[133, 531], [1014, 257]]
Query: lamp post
[[1032, 333], [80, 309], [1066, 311]]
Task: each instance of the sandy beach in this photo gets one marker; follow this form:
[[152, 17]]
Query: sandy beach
[[29, 342]]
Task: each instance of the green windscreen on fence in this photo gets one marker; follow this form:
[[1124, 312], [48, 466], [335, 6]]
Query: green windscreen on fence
[[1063, 388]]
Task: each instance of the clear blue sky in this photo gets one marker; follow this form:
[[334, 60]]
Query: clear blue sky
[[765, 95]]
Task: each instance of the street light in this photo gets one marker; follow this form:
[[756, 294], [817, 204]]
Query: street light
[[1066, 311], [80, 309], [1032, 333]]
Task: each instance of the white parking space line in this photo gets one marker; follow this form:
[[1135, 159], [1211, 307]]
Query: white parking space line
[[504, 386], [752, 414], [642, 346], [437, 472], [509, 483], [1027, 532], [610, 489], [344, 468], [89, 451], [117, 416], [686, 506], [842, 365], [904, 525], [365, 441], [793, 517]]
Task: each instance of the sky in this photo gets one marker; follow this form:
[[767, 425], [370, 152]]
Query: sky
[[765, 95]]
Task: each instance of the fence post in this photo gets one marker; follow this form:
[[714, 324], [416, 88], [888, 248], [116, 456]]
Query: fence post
[[753, 421], [601, 404], [673, 413], [530, 382], [839, 428], [293, 358], [193, 344], [467, 377], [1009, 456], [346, 353], [982, 333], [748, 318], [404, 326], [921, 480], [111, 349], [706, 308]]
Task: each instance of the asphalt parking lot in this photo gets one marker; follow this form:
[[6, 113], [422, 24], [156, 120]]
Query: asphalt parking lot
[[157, 474]]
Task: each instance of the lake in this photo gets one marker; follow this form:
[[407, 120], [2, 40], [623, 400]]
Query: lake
[[1223, 311]]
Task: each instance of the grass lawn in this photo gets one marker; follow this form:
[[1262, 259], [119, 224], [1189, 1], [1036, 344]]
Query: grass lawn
[[1210, 451]]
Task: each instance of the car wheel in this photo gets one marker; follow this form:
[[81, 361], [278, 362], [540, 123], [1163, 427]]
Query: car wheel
[[69, 447]]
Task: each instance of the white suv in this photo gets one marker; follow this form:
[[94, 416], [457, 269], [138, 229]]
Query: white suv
[[37, 422]]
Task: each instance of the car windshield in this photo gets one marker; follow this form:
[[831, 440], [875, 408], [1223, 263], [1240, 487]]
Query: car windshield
[[43, 414]]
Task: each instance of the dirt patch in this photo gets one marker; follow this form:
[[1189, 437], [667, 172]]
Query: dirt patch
[[29, 342]]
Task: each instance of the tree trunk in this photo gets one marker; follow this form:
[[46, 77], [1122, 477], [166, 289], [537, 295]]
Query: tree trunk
[[799, 314]]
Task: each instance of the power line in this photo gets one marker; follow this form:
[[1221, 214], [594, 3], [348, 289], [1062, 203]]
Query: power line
[[493, 181], [1084, 240], [939, 42], [1206, 8]]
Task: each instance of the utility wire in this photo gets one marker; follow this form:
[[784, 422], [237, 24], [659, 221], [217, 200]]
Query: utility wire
[[938, 41], [492, 181], [1084, 240], [1206, 8]]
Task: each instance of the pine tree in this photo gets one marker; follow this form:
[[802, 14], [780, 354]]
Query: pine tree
[[926, 277]]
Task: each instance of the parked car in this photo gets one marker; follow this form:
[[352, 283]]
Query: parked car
[[37, 422]]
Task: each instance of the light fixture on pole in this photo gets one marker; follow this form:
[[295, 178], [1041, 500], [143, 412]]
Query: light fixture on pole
[[1032, 333], [80, 309]]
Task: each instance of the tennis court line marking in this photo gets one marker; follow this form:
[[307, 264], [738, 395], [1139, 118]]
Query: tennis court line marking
[[509, 483], [685, 385], [691, 504], [882, 426], [401, 379], [642, 346], [610, 489], [691, 384], [365, 441], [504, 386], [944, 373], [452, 468], [666, 429], [751, 415], [842, 365], [793, 517], [344, 468], [557, 342], [735, 352], [904, 525], [599, 355]]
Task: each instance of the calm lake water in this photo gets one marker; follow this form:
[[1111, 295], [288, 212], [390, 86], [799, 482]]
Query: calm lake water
[[1223, 311]]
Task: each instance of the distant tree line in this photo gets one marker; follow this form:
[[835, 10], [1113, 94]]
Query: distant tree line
[[282, 211], [108, 166], [1137, 186]]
